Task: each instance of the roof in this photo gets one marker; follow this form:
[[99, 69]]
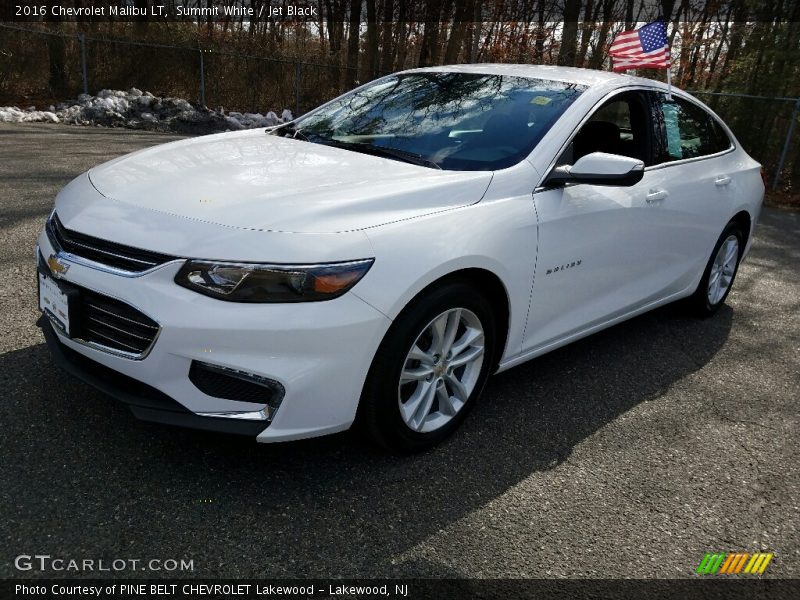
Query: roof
[[588, 77]]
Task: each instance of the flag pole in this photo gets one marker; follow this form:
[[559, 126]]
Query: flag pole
[[669, 82], [669, 67]]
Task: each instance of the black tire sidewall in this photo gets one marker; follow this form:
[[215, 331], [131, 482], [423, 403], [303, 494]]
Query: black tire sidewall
[[702, 303], [379, 403]]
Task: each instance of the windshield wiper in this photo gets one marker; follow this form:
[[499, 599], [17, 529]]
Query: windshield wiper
[[291, 129], [386, 152]]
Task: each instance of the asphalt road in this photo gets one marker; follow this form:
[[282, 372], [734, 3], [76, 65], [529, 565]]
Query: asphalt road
[[630, 453]]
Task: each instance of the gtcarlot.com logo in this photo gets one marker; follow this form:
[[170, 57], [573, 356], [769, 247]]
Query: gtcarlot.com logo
[[733, 563], [46, 562]]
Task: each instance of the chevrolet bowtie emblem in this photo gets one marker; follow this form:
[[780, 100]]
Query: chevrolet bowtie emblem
[[57, 266]]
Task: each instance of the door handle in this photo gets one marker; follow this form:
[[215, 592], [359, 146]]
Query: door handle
[[656, 195], [722, 181]]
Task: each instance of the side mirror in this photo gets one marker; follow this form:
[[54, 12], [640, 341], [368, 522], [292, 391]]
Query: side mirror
[[599, 168]]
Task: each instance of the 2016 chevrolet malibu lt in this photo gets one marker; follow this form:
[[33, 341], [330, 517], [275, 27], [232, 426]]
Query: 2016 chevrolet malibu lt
[[375, 260]]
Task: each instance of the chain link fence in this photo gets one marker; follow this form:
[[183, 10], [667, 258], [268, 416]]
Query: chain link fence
[[207, 76], [122, 65], [767, 127]]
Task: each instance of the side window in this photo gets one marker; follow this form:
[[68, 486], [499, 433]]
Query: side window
[[689, 131], [620, 126], [721, 140], [617, 112]]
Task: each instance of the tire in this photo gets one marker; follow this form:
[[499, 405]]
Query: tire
[[726, 255], [393, 414]]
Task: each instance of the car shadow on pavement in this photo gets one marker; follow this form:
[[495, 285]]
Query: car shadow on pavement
[[85, 474]]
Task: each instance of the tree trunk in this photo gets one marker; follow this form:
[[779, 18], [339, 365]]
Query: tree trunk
[[353, 38], [401, 35], [321, 27], [712, 67], [598, 53], [335, 12], [695, 56], [430, 39], [735, 45], [540, 35], [476, 31], [458, 31], [57, 57], [569, 35], [666, 9], [629, 22], [589, 19], [386, 34], [140, 21], [371, 59]]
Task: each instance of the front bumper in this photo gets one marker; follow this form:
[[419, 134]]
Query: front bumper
[[144, 401], [319, 352]]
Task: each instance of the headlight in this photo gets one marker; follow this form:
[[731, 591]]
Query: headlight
[[243, 282]]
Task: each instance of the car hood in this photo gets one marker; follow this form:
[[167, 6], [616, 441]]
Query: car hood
[[252, 180]]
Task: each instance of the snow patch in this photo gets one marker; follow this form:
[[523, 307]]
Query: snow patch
[[142, 110], [12, 114]]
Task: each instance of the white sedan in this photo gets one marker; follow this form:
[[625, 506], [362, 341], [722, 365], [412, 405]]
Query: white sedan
[[375, 260]]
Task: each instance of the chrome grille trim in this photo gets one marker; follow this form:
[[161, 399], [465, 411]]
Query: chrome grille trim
[[115, 324], [108, 312], [128, 333], [133, 349], [149, 263], [104, 255], [110, 315]]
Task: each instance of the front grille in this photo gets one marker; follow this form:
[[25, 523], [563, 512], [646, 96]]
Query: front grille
[[108, 253], [127, 389], [230, 384], [114, 324]]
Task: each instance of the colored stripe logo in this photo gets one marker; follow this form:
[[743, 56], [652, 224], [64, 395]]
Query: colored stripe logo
[[732, 563]]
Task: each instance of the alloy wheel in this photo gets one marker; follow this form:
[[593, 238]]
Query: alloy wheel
[[441, 370], [723, 269]]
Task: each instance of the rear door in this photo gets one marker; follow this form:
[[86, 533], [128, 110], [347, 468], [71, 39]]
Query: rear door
[[693, 170]]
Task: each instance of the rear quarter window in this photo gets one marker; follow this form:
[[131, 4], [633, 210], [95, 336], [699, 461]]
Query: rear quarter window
[[721, 140]]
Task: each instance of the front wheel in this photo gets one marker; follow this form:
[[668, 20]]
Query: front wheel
[[720, 272], [429, 369]]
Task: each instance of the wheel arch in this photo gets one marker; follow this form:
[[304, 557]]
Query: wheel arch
[[491, 286], [484, 282], [745, 221]]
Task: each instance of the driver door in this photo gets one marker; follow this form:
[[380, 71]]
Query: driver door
[[597, 259]]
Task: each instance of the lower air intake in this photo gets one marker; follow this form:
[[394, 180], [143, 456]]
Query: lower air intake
[[231, 384]]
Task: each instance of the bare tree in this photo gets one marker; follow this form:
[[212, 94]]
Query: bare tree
[[430, 39], [458, 32], [572, 12], [353, 39], [387, 48], [370, 67]]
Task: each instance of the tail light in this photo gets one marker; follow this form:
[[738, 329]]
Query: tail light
[[764, 178]]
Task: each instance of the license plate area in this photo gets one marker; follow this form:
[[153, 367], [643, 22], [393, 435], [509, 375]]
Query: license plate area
[[59, 301]]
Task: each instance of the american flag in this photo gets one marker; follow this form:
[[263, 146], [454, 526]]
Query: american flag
[[647, 47]]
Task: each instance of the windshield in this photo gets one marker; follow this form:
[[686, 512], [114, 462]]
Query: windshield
[[456, 121]]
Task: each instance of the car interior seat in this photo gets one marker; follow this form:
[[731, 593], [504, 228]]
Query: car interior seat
[[597, 136]]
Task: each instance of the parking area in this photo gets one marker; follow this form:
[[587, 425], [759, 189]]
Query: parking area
[[628, 454]]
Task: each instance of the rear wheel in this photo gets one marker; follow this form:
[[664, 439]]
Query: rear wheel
[[720, 272], [429, 369]]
